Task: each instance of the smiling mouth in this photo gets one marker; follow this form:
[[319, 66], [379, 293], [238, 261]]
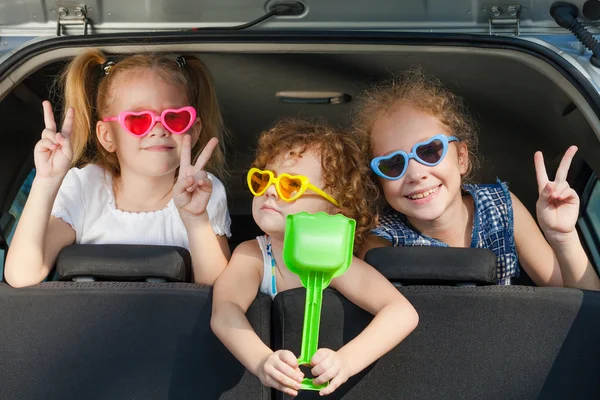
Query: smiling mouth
[[159, 148], [422, 195]]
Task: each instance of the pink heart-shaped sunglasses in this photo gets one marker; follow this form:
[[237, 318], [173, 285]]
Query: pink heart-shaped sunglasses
[[139, 124]]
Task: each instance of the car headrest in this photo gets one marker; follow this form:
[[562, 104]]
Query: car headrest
[[424, 265], [117, 262]]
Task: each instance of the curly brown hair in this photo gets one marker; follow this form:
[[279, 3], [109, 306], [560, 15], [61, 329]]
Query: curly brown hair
[[427, 94], [344, 166]]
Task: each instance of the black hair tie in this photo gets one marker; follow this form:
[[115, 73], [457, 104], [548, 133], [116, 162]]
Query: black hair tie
[[180, 60], [107, 66]]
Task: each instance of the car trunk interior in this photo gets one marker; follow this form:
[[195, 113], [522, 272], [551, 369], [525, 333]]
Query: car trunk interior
[[521, 102]]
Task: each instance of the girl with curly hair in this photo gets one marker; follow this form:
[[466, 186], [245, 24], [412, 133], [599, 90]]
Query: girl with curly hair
[[334, 166], [421, 141]]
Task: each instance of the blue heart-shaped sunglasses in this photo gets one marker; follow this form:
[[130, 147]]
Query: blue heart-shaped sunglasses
[[431, 152]]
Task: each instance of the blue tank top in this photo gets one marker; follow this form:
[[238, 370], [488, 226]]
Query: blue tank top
[[493, 228]]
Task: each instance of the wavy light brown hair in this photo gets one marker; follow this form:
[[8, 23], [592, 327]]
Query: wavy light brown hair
[[427, 94], [88, 90], [343, 164]]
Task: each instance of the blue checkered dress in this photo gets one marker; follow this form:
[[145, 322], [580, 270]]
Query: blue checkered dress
[[493, 228]]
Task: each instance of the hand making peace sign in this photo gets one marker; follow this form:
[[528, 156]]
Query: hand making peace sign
[[53, 153], [558, 205], [193, 188]]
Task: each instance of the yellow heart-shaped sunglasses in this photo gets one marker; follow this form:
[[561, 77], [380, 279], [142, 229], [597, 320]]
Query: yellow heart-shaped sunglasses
[[289, 187]]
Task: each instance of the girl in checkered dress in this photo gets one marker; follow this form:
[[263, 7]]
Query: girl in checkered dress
[[421, 144]]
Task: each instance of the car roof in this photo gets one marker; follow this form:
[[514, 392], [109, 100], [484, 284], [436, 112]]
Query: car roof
[[41, 17]]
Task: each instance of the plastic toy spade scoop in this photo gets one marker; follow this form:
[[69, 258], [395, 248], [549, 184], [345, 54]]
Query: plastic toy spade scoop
[[317, 247]]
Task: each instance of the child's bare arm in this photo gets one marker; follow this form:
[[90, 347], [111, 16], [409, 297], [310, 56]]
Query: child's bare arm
[[577, 271], [233, 293], [191, 194], [39, 238], [395, 318], [535, 254], [209, 252], [557, 211]]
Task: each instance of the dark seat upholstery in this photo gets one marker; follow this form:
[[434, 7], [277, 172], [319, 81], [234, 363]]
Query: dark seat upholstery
[[471, 343], [434, 265], [106, 340], [124, 262]]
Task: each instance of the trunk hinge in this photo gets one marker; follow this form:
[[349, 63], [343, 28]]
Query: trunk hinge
[[71, 15], [504, 19]]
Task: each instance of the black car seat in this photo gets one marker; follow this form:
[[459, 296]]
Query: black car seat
[[120, 341]]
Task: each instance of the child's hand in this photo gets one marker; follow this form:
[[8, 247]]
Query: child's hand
[[280, 370], [329, 366], [193, 188], [558, 205], [53, 153]]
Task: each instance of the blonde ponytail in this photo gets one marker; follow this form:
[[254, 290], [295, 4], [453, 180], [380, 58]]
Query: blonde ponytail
[[80, 87], [209, 112]]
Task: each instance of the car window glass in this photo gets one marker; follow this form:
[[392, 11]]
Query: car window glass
[[16, 209]]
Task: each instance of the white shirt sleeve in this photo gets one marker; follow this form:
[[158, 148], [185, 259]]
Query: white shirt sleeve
[[69, 205], [218, 213]]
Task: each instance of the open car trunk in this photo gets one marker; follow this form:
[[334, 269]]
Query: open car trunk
[[496, 343], [523, 100]]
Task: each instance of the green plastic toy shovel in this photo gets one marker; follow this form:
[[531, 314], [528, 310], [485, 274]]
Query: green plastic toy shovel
[[317, 247]]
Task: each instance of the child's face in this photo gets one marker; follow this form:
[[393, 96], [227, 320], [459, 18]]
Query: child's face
[[424, 192], [270, 212], [157, 153]]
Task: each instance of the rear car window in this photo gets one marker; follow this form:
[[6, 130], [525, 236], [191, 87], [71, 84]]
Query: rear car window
[[16, 209]]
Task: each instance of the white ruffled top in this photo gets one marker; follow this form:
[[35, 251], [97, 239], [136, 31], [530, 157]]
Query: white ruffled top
[[86, 201]]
